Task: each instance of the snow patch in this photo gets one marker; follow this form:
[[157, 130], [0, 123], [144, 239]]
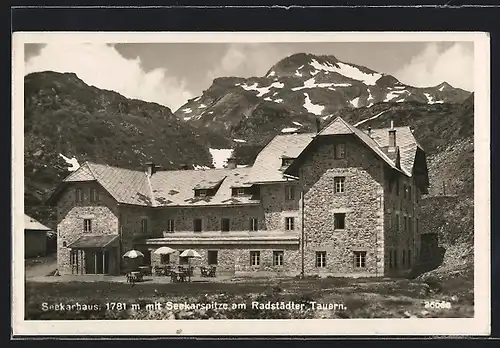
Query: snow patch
[[441, 88], [210, 112], [239, 140], [187, 118], [289, 130], [220, 156], [394, 94], [355, 102], [371, 118], [431, 100], [268, 99], [312, 108], [187, 110], [262, 90], [278, 100], [201, 106], [297, 124], [271, 73], [197, 167], [71, 161], [370, 98], [311, 83], [197, 98], [348, 71]]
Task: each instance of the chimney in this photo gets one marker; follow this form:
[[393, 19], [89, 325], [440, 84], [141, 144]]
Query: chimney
[[318, 125], [392, 138], [185, 166], [151, 168], [231, 163], [370, 132]]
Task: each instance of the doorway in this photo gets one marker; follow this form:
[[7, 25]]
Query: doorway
[[96, 262]]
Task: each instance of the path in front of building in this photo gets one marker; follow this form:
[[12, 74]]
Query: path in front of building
[[120, 279], [40, 267]]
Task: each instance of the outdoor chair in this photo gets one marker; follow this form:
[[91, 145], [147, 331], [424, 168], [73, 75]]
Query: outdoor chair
[[212, 271], [159, 271], [204, 271]]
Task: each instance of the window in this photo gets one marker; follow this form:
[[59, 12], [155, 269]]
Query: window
[[94, 195], [289, 223], [225, 225], [254, 258], [285, 162], [404, 223], [395, 258], [254, 226], [390, 258], [396, 223], [409, 193], [320, 258], [404, 191], [403, 257], [240, 191], [339, 221], [339, 151], [78, 195], [289, 193], [360, 259], [87, 225], [278, 258], [170, 225], [165, 259], [144, 226], [202, 193], [197, 225], [212, 257], [409, 258], [339, 182]]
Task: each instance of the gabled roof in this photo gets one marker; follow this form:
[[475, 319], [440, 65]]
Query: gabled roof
[[164, 188], [32, 224], [175, 188], [406, 142], [267, 165]]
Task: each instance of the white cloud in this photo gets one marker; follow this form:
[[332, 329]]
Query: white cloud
[[247, 59], [432, 66], [102, 66]]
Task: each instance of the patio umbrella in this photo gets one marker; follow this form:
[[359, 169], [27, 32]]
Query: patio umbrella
[[132, 254], [164, 250], [189, 253]]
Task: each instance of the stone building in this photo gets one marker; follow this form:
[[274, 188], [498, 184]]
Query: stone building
[[339, 202]]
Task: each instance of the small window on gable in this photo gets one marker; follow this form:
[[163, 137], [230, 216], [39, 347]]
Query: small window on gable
[[197, 225], [170, 225], [144, 226], [87, 225], [404, 191], [225, 225], [94, 195], [339, 182], [397, 187], [339, 151], [201, 193], [254, 226]]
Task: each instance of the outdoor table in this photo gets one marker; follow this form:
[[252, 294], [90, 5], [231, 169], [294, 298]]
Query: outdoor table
[[145, 270], [133, 277], [177, 276]]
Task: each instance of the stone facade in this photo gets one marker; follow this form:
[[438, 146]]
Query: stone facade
[[362, 203], [70, 224]]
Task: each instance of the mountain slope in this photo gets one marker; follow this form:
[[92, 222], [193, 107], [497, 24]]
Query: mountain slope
[[65, 118], [300, 87]]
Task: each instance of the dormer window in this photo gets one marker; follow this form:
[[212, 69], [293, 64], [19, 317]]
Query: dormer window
[[285, 162], [240, 191], [201, 193]]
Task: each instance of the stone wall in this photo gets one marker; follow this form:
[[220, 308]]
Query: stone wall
[[235, 259], [362, 203], [211, 218], [277, 208], [70, 216]]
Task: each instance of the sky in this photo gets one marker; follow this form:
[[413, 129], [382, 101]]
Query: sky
[[171, 73]]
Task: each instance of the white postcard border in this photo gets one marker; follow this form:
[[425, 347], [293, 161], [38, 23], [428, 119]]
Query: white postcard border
[[479, 325]]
